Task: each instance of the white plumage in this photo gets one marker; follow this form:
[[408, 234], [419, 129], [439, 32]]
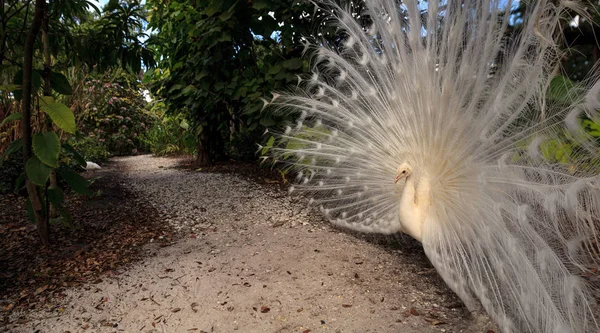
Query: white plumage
[[432, 123], [92, 166]]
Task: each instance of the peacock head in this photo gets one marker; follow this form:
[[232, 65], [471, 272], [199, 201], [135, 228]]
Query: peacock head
[[404, 170]]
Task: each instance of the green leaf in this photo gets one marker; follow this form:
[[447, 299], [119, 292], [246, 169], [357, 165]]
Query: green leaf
[[561, 89], [189, 90], [275, 69], [4, 67], [20, 183], [60, 114], [75, 181], [76, 155], [591, 128], [18, 94], [177, 65], [64, 218], [111, 5], [56, 196], [201, 75], [267, 121], [175, 87], [14, 146], [227, 15], [211, 10], [268, 146], [14, 116], [218, 86], [47, 100], [46, 146], [37, 171], [184, 124], [60, 84], [67, 219], [36, 82], [91, 4], [260, 4], [293, 63], [10, 87], [30, 214], [224, 37]]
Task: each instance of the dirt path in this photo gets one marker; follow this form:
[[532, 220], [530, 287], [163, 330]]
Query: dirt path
[[253, 259]]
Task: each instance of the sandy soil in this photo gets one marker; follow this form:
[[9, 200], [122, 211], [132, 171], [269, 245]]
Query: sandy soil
[[252, 259]]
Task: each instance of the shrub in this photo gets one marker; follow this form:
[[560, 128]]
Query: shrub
[[168, 134], [92, 149], [114, 115], [10, 170], [242, 146]]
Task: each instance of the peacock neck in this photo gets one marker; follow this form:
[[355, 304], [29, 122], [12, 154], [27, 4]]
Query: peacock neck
[[414, 205]]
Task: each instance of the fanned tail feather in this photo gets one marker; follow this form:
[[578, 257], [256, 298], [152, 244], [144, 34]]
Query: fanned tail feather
[[449, 87]]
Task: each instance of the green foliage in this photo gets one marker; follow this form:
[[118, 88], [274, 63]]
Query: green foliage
[[243, 145], [72, 157], [60, 114], [112, 39], [37, 171], [91, 149], [14, 116], [36, 82], [60, 83], [221, 59], [114, 115], [10, 170], [46, 146], [557, 151], [562, 147], [300, 141], [169, 134], [75, 181], [13, 147], [562, 89], [78, 43]]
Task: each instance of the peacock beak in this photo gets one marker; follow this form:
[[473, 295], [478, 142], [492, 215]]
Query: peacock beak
[[398, 177]]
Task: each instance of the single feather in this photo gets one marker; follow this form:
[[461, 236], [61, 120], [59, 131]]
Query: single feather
[[433, 122]]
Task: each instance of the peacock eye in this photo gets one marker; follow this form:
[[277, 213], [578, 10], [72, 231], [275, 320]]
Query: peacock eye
[[404, 171]]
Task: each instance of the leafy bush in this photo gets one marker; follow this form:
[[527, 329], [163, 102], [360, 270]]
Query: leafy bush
[[243, 147], [168, 134], [91, 149], [114, 116], [10, 170]]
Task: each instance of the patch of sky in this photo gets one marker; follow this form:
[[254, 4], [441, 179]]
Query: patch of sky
[[276, 35]]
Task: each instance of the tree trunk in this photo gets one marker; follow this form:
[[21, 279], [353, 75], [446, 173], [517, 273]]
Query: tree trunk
[[204, 158], [53, 212], [32, 191]]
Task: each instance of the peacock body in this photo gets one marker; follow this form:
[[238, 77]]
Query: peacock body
[[433, 122]]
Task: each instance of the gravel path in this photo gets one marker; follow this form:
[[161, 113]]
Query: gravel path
[[253, 259]]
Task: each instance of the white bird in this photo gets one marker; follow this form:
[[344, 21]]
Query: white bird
[[92, 166], [433, 122]]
